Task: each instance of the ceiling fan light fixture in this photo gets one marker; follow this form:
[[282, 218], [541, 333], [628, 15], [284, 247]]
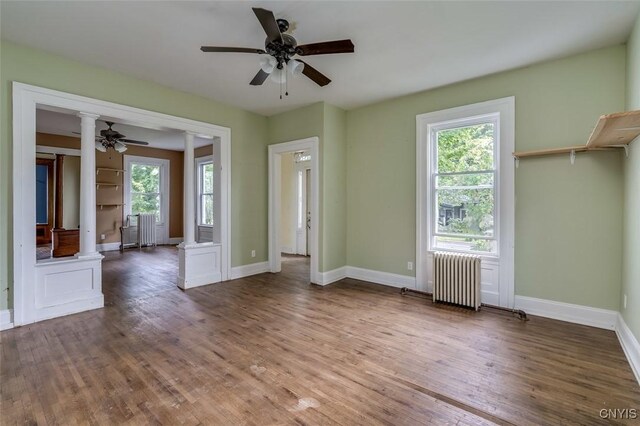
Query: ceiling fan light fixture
[[268, 63], [279, 75], [120, 147], [295, 67], [100, 147]]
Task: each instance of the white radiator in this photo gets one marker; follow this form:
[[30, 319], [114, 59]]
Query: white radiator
[[146, 229], [456, 279]]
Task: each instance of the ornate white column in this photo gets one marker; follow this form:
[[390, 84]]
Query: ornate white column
[[189, 195], [87, 185], [198, 263]]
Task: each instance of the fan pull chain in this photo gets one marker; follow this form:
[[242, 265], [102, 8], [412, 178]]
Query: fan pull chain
[[286, 82]]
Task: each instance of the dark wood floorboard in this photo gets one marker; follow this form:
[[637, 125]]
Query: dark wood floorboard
[[272, 349]]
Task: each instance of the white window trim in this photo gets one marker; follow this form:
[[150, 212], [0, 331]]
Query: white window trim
[[200, 161], [165, 171], [506, 196], [432, 130]]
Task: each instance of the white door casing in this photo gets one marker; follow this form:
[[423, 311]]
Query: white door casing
[[275, 181]]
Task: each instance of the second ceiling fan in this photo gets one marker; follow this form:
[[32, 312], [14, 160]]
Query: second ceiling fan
[[282, 47]]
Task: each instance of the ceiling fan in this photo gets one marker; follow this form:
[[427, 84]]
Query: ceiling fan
[[280, 48], [110, 138]]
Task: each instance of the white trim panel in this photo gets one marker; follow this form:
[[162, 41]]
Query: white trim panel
[[578, 314], [630, 346], [378, 277], [6, 319], [199, 265], [248, 270], [67, 286]]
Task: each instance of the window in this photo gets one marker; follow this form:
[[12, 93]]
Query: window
[[463, 185], [205, 193], [146, 196], [146, 190]]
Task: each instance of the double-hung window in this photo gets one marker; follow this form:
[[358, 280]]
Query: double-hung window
[[146, 190], [463, 181], [205, 192]]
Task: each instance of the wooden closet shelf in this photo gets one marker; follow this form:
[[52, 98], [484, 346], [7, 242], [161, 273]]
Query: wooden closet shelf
[[107, 169], [99, 184], [109, 205], [612, 131]]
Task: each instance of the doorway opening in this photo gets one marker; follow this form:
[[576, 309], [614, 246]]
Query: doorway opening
[[67, 277], [294, 207]]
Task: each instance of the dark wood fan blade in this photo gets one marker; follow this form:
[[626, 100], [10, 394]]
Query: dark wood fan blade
[[133, 141], [259, 78], [269, 24], [315, 75], [231, 49], [325, 48]]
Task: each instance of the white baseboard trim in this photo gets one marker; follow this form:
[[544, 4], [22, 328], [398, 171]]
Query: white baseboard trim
[[247, 270], [108, 247], [378, 277], [199, 281], [70, 308], [578, 314], [332, 276], [6, 319], [630, 345], [174, 241], [287, 250]]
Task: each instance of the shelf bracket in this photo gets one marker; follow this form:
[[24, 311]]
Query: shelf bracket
[[572, 156], [626, 150], [517, 160]]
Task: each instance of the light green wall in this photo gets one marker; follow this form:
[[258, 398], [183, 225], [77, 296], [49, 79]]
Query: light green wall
[[631, 259], [248, 133], [568, 218], [328, 123], [334, 206]]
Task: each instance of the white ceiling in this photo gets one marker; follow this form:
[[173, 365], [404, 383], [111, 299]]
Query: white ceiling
[[66, 124], [400, 47]]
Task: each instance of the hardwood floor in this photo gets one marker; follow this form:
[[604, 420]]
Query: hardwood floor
[[272, 349]]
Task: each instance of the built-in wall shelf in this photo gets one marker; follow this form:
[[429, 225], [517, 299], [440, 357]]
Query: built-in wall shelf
[[110, 205], [612, 131], [106, 169], [99, 184]]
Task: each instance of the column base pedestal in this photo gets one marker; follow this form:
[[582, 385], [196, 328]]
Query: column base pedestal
[[198, 265]]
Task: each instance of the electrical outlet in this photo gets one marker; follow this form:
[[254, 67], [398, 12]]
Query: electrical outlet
[[410, 266], [103, 237], [253, 253], [624, 302]]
